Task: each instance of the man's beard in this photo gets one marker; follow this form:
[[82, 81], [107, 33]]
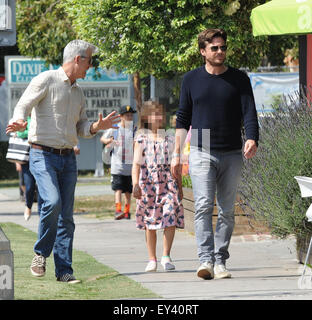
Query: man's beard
[[215, 64]]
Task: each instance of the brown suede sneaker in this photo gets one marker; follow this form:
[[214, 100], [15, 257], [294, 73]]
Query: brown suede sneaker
[[38, 266]]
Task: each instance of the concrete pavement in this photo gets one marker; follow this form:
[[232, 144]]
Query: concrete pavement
[[263, 268]]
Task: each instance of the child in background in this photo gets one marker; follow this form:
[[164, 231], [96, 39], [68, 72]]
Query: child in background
[[29, 181], [121, 142], [158, 195]]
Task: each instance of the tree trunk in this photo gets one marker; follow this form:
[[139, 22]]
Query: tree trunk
[[137, 91]]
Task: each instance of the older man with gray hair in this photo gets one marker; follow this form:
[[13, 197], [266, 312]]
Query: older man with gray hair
[[58, 117]]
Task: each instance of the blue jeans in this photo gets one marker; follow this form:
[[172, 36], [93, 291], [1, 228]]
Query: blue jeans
[[215, 173], [56, 177], [30, 187]]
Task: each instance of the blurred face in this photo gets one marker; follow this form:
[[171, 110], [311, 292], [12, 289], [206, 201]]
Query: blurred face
[[126, 118], [156, 119], [215, 52]]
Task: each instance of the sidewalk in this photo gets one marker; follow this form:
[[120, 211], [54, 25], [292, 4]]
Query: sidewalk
[[261, 267]]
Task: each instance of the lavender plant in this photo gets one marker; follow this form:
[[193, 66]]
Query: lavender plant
[[268, 186]]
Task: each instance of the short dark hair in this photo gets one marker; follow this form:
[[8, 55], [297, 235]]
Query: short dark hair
[[208, 35]]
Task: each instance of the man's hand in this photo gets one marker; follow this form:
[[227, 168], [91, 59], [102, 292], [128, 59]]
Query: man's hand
[[106, 123], [250, 149], [76, 150], [19, 125], [176, 168]]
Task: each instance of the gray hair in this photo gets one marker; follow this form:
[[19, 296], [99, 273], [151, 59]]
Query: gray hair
[[77, 48]]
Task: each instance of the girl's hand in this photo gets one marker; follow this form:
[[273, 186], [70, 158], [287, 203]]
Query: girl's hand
[[137, 193], [112, 144]]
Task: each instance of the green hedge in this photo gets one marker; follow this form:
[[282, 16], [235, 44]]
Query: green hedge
[[7, 169], [285, 150]]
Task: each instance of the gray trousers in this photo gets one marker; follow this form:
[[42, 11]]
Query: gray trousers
[[214, 174]]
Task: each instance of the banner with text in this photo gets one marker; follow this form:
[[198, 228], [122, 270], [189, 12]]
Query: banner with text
[[268, 87]]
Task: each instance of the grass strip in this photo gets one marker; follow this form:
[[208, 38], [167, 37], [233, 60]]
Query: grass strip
[[98, 281], [100, 207]]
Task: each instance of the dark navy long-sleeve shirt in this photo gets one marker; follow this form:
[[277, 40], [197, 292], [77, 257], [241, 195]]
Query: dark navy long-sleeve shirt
[[221, 103]]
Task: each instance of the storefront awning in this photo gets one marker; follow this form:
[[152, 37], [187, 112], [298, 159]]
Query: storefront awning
[[279, 17]]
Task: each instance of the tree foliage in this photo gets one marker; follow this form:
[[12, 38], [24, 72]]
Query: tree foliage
[[156, 37], [278, 46], [159, 37], [43, 29], [150, 37]]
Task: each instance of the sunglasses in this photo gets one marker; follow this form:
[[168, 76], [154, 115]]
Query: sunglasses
[[216, 48], [90, 59]]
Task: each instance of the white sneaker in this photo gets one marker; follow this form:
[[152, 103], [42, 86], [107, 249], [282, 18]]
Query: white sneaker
[[27, 213], [205, 271], [151, 266], [166, 263], [220, 272]]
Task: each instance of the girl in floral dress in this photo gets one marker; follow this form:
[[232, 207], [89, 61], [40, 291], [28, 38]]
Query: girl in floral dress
[[158, 195]]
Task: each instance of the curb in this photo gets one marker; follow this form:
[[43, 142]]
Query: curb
[[252, 237], [257, 237]]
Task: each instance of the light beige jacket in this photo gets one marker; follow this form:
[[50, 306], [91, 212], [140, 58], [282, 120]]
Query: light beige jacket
[[57, 110]]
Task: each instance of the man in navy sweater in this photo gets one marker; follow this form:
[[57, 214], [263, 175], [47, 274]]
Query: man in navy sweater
[[217, 101]]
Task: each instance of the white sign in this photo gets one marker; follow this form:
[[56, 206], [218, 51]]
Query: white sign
[[268, 86], [104, 90], [99, 99], [22, 69], [104, 100]]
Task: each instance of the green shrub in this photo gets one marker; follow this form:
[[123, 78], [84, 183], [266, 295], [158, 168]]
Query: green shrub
[[268, 186], [186, 182], [7, 169]]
